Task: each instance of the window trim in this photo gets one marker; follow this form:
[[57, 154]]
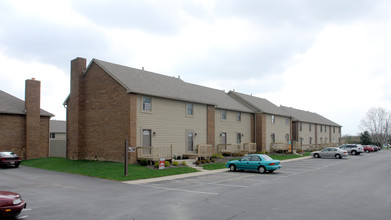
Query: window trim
[[273, 119], [143, 108], [223, 113], [187, 109]]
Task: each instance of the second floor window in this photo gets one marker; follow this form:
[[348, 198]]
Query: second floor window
[[273, 119], [147, 104], [223, 115], [301, 126], [310, 127], [238, 116], [189, 109]]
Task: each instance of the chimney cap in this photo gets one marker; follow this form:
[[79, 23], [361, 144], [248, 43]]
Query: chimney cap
[[33, 78]]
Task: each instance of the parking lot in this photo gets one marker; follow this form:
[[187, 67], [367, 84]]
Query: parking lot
[[357, 187]]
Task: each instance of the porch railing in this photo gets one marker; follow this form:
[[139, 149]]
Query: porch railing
[[154, 153]]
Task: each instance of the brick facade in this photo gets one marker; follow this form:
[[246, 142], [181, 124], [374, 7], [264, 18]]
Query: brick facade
[[100, 115], [211, 125], [26, 134], [260, 131]]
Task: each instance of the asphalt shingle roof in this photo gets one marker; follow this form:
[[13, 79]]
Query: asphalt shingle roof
[[58, 126], [259, 104], [306, 116], [153, 84], [11, 105]]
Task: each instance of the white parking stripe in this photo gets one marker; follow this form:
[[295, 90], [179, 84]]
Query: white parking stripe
[[181, 190], [229, 185]]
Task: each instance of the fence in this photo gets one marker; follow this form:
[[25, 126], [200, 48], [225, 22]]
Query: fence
[[154, 153], [58, 148], [237, 148], [312, 147], [279, 147]]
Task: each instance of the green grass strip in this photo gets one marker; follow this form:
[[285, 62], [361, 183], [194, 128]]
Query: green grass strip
[[102, 169]]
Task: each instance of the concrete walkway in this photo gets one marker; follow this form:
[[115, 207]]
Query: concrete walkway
[[201, 173]]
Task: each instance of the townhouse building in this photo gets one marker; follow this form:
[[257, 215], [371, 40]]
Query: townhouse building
[[109, 103], [24, 126], [272, 124], [311, 129]]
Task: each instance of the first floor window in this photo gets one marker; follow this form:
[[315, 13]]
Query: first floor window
[[287, 138], [310, 140], [190, 140]]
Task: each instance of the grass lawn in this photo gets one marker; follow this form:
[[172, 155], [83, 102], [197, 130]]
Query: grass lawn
[[216, 166], [106, 170]]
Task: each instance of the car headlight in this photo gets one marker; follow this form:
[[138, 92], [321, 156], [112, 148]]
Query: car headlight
[[17, 201]]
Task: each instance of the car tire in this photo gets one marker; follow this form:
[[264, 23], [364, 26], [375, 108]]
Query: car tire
[[338, 156], [232, 168], [261, 169], [17, 165], [354, 152], [366, 151], [316, 156]]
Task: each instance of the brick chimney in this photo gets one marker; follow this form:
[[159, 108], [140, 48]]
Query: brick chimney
[[33, 116], [78, 66]]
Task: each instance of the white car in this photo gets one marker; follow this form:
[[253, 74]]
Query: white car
[[353, 149], [330, 152]]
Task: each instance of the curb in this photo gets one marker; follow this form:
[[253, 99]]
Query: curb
[[186, 175]]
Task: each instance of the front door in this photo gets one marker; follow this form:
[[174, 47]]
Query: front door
[[147, 140], [190, 140]]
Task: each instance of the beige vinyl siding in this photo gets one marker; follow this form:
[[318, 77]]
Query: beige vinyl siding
[[306, 134], [231, 126], [279, 128], [336, 135], [169, 122], [324, 136]]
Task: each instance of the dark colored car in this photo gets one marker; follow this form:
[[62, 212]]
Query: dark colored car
[[376, 148], [9, 159], [11, 204], [368, 149]]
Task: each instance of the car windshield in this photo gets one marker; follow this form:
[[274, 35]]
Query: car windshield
[[266, 157], [7, 153]]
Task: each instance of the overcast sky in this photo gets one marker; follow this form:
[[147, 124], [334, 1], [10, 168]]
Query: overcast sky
[[332, 57]]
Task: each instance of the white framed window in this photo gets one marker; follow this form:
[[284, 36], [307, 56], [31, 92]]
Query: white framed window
[[321, 128], [238, 116], [273, 119], [147, 105], [189, 109], [310, 127], [287, 120], [223, 115]]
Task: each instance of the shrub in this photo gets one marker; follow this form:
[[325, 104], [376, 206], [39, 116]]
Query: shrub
[[203, 161], [197, 162], [213, 159], [207, 161], [184, 163], [217, 155], [144, 162], [167, 163], [156, 164], [175, 163]]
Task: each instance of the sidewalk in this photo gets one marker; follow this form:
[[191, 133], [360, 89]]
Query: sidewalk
[[201, 173]]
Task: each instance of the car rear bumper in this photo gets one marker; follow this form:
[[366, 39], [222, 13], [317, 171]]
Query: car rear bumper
[[275, 167], [15, 210]]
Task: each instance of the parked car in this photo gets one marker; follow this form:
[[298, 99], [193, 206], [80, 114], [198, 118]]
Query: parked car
[[260, 162], [11, 204], [9, 159], [368, 148], [376, 148], [330, 152], [354, 149]]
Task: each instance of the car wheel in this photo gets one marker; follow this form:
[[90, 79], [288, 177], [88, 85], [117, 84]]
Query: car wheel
[[261, 169], [316, 155], [337, 156], [232, 168], [367, 151], [354, 152], [16, 166]]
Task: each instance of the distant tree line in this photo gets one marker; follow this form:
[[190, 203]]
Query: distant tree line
[[376, 127]]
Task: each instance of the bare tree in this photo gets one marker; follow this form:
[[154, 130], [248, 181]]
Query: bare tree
[[377, 122]]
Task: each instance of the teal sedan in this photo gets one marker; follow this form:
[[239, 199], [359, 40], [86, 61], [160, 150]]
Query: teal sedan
[[259, 162]]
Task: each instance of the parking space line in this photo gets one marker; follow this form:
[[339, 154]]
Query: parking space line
[[228, 185], [181, 190]]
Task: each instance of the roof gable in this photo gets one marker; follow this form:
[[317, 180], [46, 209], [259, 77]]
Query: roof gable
[[12, 105]]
